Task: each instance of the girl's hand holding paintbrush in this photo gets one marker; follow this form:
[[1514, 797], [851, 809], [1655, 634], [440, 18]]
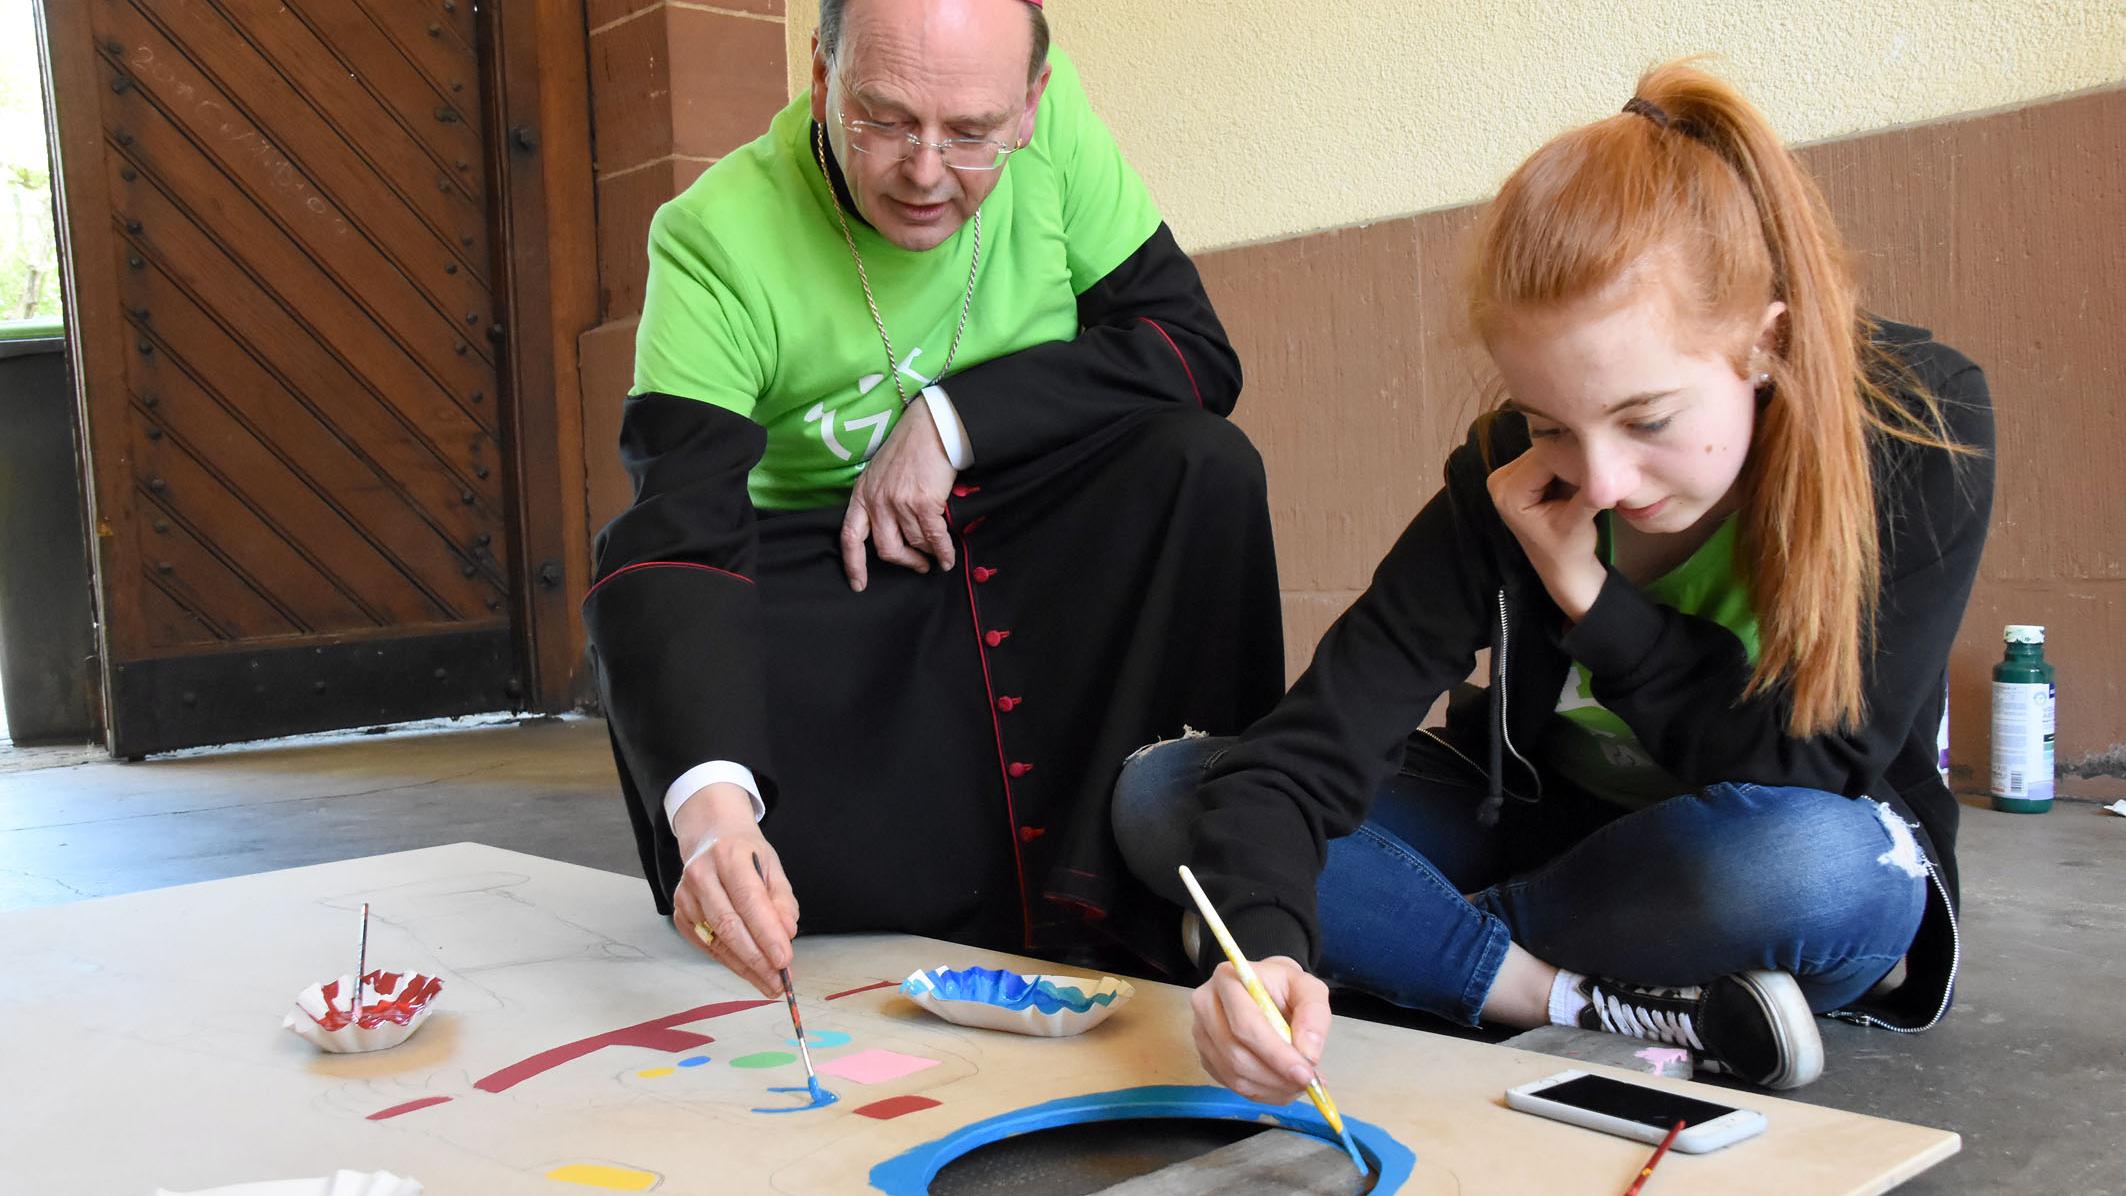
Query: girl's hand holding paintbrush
[[1237, 1044]]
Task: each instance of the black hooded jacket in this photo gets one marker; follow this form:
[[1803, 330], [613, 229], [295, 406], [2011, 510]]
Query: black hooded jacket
[[1457, 581]]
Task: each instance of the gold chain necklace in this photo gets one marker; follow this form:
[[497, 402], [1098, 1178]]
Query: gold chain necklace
[[893, 365]]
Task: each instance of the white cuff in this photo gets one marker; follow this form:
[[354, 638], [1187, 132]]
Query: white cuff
[[950, 430], [694, 779]]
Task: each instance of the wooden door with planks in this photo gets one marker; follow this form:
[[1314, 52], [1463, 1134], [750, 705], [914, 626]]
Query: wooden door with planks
[[282, 267]]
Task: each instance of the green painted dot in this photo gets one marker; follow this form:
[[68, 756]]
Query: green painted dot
[[764, 1059]]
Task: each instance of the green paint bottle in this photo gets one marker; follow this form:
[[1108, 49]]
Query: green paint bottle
[[2023, 723]]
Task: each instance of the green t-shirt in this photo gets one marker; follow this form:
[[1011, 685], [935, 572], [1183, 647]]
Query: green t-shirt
[[1595, 749], [753, 303]]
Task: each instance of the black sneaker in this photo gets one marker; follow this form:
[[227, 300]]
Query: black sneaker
[[1755, 1026]]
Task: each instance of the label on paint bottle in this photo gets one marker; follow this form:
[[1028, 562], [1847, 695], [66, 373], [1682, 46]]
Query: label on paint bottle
[[2023, 730]]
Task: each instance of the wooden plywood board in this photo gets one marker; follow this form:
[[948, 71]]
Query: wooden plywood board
[[142, 1047]]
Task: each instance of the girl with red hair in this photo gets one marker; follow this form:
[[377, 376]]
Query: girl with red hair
[[1718, 537]]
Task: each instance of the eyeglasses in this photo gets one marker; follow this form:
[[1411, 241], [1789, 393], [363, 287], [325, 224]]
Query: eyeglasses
[[891, 143]]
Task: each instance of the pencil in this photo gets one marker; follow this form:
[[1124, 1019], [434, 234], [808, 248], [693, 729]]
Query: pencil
[[1315, 1091], [1648, 1169]]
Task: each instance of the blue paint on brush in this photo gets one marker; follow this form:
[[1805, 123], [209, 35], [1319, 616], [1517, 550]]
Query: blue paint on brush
[[910, 1173], [1006, 990], [1353, 1148]]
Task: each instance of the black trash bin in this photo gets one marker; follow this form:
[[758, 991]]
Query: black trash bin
[[47, 624]]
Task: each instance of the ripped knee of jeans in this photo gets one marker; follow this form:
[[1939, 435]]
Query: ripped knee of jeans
[[1187, 732], [1904, 854]]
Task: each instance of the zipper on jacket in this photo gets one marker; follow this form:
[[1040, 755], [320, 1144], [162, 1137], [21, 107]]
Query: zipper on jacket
[[1948, 991], [1505, 735]]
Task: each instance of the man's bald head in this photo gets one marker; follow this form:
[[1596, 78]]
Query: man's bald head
[[836, 15], [908, 76]]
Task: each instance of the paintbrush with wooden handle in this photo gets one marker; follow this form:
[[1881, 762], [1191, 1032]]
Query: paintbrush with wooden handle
[[789, 996], [1316, 1092]]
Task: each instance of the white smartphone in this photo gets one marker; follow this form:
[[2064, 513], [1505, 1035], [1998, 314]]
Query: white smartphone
[[1638, 1111]]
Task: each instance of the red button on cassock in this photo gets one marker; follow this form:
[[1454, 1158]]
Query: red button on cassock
[[1028, 834], [1006, 704], [1019, 768], [982, 574], [995, 638]]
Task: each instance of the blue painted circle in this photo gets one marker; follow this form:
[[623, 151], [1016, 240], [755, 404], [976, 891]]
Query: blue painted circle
[[911, 1172]]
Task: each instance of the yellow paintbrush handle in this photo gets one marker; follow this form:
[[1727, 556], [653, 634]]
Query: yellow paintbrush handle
[[1262, 999], [1323, 1105]]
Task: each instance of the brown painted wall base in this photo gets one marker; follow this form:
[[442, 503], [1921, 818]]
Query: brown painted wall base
[[2003, 233]]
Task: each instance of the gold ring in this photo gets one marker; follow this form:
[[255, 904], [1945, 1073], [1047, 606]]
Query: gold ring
[[702, 932]]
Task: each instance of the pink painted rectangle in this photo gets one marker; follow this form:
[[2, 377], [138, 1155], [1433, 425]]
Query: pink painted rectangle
[[875, 1066]]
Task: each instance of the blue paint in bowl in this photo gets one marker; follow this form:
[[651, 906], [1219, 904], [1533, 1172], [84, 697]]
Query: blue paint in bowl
[[1006, 990]]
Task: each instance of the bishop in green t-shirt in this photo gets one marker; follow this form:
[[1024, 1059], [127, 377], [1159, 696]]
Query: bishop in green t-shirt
[[937, 512]]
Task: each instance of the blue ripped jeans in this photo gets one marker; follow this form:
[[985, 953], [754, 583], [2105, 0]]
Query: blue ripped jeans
[[1732, 878]]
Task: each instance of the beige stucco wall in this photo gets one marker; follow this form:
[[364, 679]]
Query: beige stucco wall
[[1258, 119]]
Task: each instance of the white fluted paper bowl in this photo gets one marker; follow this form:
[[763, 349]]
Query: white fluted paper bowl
[[994, 999], [394, 1005]]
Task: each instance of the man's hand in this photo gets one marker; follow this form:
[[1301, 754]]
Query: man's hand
[[1238, 1046], [749, 923], [1556, 529], [899, 502]]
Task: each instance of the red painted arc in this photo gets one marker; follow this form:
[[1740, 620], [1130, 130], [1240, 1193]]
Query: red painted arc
[[658, 1035], [408, 1107], [850, 992]]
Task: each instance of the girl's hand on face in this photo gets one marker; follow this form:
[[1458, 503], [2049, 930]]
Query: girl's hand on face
[[1556, 529]]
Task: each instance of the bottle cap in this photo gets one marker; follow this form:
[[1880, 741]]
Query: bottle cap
[[2023, 633]]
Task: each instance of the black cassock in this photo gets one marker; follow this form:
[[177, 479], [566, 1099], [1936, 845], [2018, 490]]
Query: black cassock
[[937, 752]]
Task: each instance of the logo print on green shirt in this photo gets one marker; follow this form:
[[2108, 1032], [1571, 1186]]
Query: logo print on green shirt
[[879, 423]]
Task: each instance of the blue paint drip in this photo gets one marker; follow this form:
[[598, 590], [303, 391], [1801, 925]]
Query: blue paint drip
[[821, 1098], [910, 1173], [695, 1061], [1005, 990]]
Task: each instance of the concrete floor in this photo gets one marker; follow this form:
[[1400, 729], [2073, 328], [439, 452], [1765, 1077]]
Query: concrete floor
[[2030, 1068]]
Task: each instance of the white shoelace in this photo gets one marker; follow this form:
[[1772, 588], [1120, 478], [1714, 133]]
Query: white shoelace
[[1668, 1026]]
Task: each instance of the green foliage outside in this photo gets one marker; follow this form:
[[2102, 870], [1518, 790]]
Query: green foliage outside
[[29, 256]]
